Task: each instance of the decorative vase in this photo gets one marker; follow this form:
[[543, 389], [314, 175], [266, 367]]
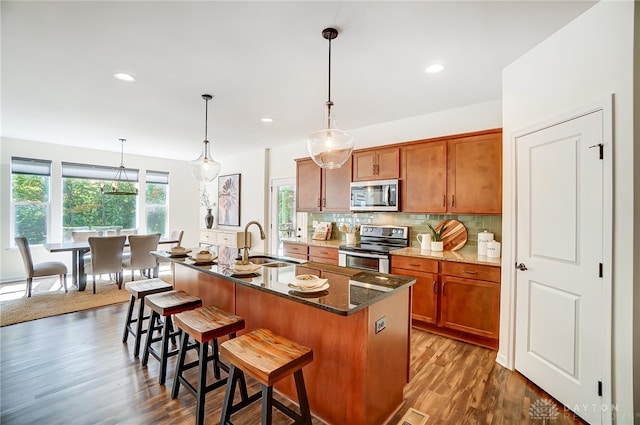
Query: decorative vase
[[436, 246], [208, 219]]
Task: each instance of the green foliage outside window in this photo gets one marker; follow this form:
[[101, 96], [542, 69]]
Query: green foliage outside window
[[30, 196], [156, 208], [84, 206]]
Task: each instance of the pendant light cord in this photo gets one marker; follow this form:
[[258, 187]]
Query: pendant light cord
[[122, 153], [329, 102]]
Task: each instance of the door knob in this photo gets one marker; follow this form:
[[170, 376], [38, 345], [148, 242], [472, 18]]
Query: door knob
[[521, 267]]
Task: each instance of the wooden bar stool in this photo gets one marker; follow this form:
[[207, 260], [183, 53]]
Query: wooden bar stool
[[205, 325], [138, 291], [165, 304], [268, 358]]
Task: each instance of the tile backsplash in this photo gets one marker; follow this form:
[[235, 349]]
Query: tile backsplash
[[417, 223]]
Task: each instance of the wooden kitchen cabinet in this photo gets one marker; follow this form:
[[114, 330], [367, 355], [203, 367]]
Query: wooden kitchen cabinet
[[474, 175], [458, 300], [424, 293], [319, 189], [424, 177], [376, 164], [323, 255], [295, 250], [462, 175]]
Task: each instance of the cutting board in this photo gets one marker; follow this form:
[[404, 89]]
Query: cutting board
[[455, 235]]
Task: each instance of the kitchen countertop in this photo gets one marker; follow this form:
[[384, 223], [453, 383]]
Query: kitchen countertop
[[331, 243], [352, 291], [464, 255], [468, 255]]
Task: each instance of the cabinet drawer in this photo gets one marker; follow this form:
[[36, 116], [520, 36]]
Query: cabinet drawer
[[471, 271], [293, 248], [318, 251], [413, 263], [207, 237]]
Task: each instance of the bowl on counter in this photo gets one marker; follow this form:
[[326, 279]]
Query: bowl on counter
[[307, 280], [243, 267], [203, 255]]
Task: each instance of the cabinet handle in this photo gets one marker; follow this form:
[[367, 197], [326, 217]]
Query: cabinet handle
[[319, 202], [444, 200], [414, 265], [443, 285], [433, 286], [453, 200], [324, 202], [470, 271]]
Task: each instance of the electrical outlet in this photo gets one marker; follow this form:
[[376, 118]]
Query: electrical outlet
[[381, 323]]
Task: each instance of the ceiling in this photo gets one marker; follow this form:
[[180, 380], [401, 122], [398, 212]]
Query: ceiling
[[258, 59]]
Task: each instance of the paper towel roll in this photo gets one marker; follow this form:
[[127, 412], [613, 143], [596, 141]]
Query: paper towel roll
[[484, 238], [493, 249]]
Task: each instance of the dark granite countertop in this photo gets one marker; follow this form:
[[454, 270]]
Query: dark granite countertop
[[349, 290]]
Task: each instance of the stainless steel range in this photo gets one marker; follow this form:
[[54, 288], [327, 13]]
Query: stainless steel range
[[372, 253]]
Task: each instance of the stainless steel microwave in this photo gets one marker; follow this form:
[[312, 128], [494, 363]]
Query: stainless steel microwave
[[375, 195]]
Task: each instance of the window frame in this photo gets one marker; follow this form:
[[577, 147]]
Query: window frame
[[30, 167]]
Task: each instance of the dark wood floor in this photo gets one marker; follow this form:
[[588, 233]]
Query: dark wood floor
[[74, 369]]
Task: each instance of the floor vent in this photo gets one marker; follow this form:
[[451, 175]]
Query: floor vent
[[414, 417]]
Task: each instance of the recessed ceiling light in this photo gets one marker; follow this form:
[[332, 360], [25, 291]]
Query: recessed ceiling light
[[267, 120], [124, 77], [434, 69]]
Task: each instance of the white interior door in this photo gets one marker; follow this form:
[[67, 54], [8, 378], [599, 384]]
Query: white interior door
[[559, 314]]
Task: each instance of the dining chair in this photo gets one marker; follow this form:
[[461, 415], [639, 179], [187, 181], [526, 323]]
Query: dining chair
[[140, 259], [176, 235], [106, 257], [48, 268]]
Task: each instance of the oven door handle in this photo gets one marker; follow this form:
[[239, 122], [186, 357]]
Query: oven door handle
[[363, 255]]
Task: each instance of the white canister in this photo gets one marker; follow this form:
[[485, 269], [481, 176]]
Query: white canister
[[483, 239], [425, 241], [493, 249]]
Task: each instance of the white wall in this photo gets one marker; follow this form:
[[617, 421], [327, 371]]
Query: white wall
[[475, 117], [183, 195], [587, 60], [254, 194]]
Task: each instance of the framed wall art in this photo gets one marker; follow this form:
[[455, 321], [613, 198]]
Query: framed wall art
[[229, 200]]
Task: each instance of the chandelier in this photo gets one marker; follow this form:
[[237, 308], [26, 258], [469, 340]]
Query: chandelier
[[121, 177]]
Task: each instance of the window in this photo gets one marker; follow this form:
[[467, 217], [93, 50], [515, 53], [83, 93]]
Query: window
[[84, 207], [157, 206], [30, 180]]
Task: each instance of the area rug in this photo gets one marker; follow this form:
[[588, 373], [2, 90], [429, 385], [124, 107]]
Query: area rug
[[49, 299]]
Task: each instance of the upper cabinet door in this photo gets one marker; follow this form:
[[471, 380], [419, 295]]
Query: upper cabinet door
[[336, 192], [376, 164], [474, 178], [424, 177], [308, 186]]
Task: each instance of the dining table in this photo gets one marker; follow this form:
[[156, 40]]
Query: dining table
[[79, 249]]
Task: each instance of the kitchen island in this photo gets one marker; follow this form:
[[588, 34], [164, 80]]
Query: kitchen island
[[358, 328]]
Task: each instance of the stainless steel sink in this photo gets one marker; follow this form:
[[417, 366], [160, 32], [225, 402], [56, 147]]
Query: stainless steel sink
[[278, 264]]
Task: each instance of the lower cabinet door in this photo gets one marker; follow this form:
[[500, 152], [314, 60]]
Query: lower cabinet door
[[471, 306], [424, 295]]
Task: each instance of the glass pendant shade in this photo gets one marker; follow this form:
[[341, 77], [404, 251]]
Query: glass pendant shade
[[205, 169], [330, 147]]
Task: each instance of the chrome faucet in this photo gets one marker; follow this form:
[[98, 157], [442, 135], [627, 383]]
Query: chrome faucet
[[245, 253]]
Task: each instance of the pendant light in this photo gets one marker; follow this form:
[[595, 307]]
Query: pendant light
[[205, 168], [121, 177], [330, 147]]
